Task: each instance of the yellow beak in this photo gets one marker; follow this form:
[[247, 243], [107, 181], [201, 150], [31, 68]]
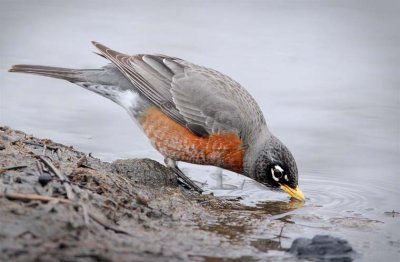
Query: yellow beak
[[295, 193]]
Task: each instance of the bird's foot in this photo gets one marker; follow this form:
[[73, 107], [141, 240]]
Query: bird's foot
[[182, 178]]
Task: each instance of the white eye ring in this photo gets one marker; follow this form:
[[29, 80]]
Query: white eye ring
[[277, 168]]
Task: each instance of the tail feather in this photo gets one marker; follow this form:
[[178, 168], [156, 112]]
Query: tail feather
[[72, 75], [107, 81]]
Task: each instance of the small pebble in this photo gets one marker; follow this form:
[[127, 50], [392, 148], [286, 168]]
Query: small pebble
[[44, 179], [18, 180]]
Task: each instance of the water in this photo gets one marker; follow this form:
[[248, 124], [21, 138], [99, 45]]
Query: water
[[324, 73]]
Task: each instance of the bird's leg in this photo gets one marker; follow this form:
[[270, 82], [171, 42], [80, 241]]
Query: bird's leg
[[219, 175], [219, 178], [172, 165]]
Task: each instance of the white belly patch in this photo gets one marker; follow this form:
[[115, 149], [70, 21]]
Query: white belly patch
[[130, 100]]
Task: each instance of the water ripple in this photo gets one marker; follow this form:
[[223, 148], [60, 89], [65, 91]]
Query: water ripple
[[336, 195]]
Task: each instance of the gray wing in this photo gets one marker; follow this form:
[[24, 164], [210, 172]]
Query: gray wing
[[202, 99]]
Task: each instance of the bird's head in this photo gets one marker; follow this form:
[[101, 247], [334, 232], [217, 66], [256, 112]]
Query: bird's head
[[275, 167]]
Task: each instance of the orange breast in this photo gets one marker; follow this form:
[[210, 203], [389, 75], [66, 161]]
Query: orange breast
[[178, 143]]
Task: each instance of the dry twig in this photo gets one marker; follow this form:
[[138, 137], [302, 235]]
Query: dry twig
[[39, 145], [3, 169], [40, 167], [59, 153], [64, 180], [32, 197], [108, 227], [44, 149]]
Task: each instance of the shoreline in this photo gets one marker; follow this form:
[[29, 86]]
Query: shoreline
[[58, 203]]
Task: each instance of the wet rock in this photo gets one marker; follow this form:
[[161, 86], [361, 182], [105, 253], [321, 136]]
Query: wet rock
[[323, 248], [145, 172]]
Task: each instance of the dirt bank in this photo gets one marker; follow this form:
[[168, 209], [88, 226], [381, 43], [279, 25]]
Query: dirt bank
[[59, 204]]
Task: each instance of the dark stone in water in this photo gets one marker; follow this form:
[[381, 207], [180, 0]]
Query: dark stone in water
[[323, 248]]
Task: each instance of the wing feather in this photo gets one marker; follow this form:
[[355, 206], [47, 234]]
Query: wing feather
[[202, 99]]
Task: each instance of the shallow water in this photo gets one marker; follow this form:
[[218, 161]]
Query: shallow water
[[324, 73]]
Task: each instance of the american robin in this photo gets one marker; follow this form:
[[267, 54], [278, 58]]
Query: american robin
[[190, 113]]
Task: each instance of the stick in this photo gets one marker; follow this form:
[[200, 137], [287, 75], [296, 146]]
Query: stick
[[44, 150], [281, 233], [18, 196], [12, 167], [39, 166], [61, 176], [41, 145], [108, 227], [58, 151]]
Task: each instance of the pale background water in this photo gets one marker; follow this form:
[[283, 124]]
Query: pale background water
[[325, 73]]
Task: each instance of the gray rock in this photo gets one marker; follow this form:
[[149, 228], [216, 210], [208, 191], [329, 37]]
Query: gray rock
[[322, 248], [145, 172]]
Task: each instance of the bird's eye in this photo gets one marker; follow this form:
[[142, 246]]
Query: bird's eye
[[277, 173]]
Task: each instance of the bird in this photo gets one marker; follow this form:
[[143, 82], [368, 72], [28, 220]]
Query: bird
[[190, 113]]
